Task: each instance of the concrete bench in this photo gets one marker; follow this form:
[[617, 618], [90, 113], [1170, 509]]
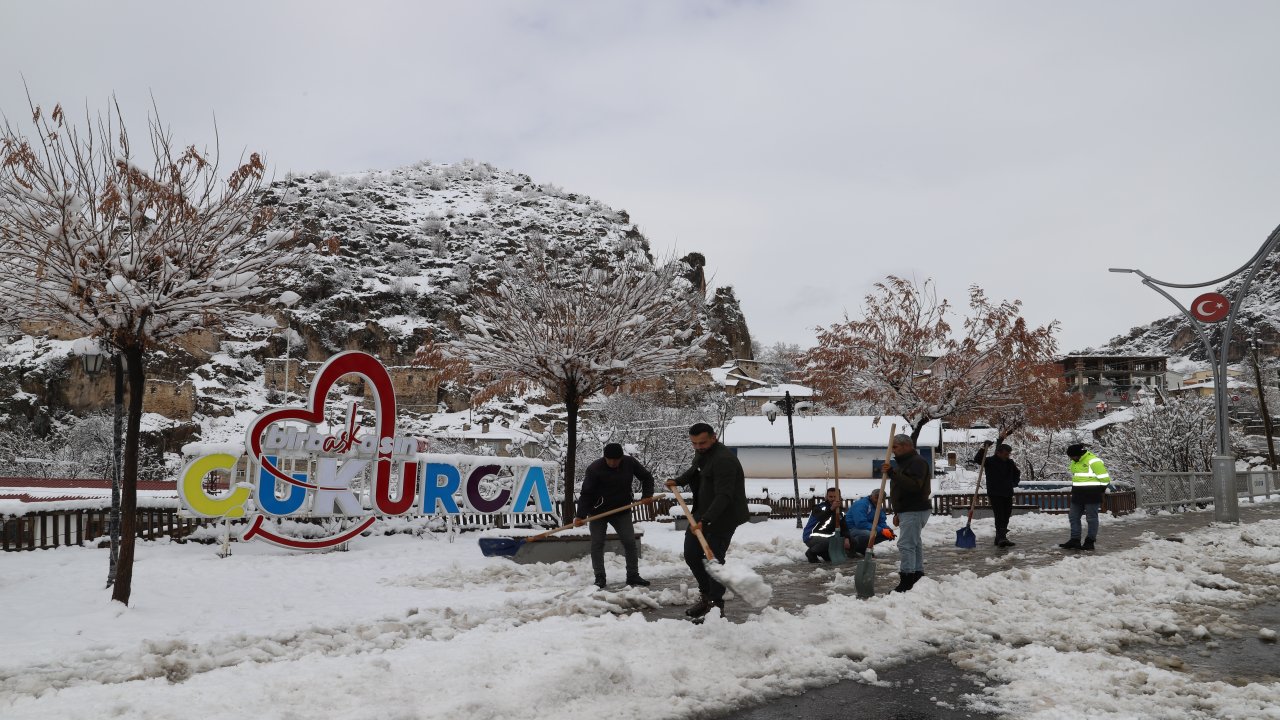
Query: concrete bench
[[983, 511], [570, 545]]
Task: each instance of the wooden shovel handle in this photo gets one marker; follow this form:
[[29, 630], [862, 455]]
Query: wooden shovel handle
[[605, 514], [884, 476], [982, 465], [693, 524]]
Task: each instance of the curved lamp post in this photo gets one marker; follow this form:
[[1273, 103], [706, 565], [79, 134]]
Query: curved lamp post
[[1226, 507], [92, 357], [789, 407]]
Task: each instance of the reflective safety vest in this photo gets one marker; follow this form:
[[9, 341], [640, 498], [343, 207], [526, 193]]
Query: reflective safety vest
[[1088, 473]]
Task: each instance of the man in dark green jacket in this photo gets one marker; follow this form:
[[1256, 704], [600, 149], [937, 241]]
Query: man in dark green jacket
[[719, 507], [910, 483]]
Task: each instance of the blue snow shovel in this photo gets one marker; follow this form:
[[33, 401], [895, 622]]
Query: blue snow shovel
[[508, 547], [964, 536]]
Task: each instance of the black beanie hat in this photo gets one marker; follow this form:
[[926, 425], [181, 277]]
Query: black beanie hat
[[613, 451], [1074, 450]]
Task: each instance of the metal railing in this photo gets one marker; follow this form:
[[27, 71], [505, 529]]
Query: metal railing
[[1048, 501], [1179, 489]]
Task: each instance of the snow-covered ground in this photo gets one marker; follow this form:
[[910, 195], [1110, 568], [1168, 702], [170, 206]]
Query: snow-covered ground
[[406, 627]]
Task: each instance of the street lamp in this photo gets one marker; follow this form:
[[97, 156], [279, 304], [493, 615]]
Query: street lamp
[[1226, 504], [92, 357], [789, 406]]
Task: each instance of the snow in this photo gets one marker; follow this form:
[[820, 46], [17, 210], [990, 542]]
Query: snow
[[424, 627]]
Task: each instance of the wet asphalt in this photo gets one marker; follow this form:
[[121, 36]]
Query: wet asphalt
[[934, 687]]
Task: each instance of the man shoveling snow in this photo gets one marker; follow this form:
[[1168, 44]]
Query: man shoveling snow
[[719, 507]]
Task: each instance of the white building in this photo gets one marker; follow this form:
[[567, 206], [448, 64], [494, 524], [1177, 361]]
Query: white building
[[765, 450]]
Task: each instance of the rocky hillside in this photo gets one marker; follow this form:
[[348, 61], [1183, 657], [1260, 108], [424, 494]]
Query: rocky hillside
[[401, 253], [1174, 336]]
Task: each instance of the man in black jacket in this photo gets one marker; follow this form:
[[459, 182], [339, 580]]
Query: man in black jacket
[[719, 507], [910, 483], [1003, 476], [606, 486]]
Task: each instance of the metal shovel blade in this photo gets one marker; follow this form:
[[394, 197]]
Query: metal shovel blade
[[500, 546], [965, 538], [864, 577], [835, 549]]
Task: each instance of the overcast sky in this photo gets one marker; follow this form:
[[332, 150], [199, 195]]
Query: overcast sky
[[807, 149]]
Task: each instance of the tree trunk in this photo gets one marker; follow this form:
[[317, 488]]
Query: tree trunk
[[129, 489], [570, 461]]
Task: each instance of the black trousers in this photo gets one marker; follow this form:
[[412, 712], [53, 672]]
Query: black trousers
[[1002, 508], [718, 540]]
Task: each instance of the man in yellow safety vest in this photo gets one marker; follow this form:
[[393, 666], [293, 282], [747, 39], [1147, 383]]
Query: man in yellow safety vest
[[1089, 481]]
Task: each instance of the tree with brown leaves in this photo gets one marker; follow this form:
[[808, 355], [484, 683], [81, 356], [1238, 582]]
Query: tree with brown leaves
[[903, 357], [132, 249]]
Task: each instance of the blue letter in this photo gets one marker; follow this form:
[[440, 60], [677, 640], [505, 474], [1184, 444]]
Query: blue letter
[[433, 492]]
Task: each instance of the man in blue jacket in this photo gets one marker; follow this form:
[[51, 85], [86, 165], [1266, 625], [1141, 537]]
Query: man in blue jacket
[[859, 518]]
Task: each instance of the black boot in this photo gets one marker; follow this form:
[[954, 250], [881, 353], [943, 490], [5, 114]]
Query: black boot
[[905, 582], [600, 583], [1007, 543], [700, 608], [637, 581], [914, 578], [1072, 544], [1088, 544], [698, 620]]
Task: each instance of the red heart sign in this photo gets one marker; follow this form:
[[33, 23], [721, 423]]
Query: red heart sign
[[384, 398]]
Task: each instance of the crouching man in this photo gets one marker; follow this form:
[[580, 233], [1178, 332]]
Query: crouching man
[[859, 519], [825, 522]]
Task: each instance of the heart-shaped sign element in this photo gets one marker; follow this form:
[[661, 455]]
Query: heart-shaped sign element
[[384, 398]]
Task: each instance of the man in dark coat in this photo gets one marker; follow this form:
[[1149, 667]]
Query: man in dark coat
[[910, 484], [1003, 476], [719, 507], [606, 486]]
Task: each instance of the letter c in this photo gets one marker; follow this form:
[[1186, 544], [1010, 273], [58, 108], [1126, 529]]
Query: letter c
[[191, 489]]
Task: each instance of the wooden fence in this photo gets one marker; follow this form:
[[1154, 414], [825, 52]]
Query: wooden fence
[[58, 528]]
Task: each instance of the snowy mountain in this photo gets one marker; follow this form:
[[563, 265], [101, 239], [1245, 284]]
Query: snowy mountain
[[1174, 336], [400, 254]]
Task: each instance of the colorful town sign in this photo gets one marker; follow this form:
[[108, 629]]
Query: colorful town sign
[[301, 466]]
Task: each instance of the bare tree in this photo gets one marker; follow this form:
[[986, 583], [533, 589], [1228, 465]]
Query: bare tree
[[1179, 436], [904, 359], [93, 240], [575, 331]]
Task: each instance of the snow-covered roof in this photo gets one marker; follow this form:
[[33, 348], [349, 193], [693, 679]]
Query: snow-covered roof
[[1118, 416], [777, 391], [815, 431], [969, 435]]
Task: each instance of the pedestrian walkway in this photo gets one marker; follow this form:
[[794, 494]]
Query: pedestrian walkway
[[802, 584]]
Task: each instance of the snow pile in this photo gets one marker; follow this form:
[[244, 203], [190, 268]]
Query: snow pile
[[743, 581], [429, 628]]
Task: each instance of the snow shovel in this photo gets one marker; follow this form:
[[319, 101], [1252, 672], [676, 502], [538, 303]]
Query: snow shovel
[[864, 577], [508, 547], [964, 536], [743, 581]]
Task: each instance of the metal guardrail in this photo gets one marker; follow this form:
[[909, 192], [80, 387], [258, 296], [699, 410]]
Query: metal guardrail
[[1178, 489]]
